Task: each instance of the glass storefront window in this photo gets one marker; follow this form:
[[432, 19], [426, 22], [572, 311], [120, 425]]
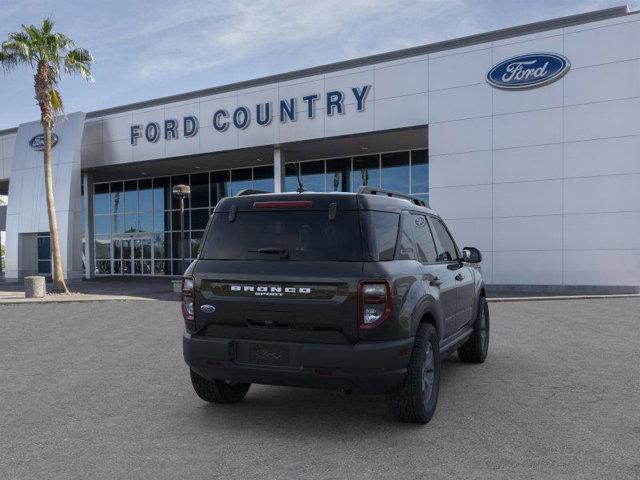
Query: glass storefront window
[[219, 186], [145, 211], [241, 179], [263, 178], [145, 195], [117, 192], [200, 190], [131, 196], [101, 199], [395, 171], [366, 171], [339, 175], [419, 171], [161, 194]]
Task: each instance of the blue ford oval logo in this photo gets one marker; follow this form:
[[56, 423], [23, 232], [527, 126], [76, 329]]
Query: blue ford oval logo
[[207, 308], [528, 71], [37, 142]]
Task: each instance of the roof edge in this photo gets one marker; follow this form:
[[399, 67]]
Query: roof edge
[[494, 35]]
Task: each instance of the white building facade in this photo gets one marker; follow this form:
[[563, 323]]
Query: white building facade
[[526, 140]]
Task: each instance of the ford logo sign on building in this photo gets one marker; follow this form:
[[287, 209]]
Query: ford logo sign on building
[[528, 71], [37, 142]]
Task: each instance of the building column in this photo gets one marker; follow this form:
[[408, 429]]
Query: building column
[[87, 186], [278, 170]]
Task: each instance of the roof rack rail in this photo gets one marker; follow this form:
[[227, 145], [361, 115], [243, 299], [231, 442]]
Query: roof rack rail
[[389, 193], [249, 191]]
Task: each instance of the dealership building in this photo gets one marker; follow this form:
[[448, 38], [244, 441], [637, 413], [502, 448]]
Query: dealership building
[[526, 140]]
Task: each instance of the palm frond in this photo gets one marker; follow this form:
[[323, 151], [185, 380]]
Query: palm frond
[[56, 101], [79, 60]]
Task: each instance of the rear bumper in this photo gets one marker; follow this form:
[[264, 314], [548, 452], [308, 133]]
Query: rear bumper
[[371, 367]]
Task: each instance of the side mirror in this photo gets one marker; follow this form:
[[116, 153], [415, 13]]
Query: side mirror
[[471, 255]]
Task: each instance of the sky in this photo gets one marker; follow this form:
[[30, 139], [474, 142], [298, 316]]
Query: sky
[[149, 49]]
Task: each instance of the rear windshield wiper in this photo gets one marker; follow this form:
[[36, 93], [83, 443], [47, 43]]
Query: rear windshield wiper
[[283, 252]]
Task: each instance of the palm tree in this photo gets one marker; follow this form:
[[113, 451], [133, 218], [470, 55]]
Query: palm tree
[[47, 53]]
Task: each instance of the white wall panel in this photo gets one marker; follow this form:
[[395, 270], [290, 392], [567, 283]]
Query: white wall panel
[[594, 267], [402, 79], [601, 120], [460, 103], [544, 42], [117, 127], [458, 70], [528, 268], [611, 193], [472, 201], [527, 128], [302, 129], [509, 101], [602, 157], [92, 132], [540, 162], [472, 232], [603, 45], [460, 136], [471, 168], [527, 233], [527, 198], [398, 112], [345, 82], [212, 140], [602, 231], [599, 83], [117, 152]]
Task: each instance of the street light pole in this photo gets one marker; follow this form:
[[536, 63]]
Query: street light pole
[[182, 192]]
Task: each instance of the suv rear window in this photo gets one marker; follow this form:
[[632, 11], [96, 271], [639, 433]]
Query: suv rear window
[[304, 235]]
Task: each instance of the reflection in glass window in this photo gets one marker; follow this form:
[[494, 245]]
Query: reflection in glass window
[[263, 178], [366, 171], [200, 190], [102, 224], [175, 220], [131, 222], [103, 247], [199, 219], [117, 223], [161, 221], [101, 198], [395, 171], [103, 267], [291, 177], [161, 245], [219, 186], [131, 196], [419, 171], [145, 222], [161, 194], [339, 175], [117, 200], [196, 238], [162, 267], [241, 179], [313, 175], [145, 195]]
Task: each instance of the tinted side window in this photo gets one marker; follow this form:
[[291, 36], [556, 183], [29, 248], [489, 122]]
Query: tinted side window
[[424, 241], [406, 240], [447, 247], [382, 233]]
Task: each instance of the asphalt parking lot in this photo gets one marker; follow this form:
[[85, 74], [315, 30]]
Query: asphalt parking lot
[[100, 390]]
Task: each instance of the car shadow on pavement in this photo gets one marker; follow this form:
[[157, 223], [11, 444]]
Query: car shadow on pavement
[[299, 411]]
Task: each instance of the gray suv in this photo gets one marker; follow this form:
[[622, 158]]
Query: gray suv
[[362, 291]]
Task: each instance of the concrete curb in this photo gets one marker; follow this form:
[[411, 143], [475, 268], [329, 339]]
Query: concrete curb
[[560, 297], [73, 299]]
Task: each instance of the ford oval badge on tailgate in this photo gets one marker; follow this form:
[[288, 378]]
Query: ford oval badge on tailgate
[[207, 308]]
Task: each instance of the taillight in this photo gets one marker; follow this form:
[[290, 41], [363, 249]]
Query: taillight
[[187, 299], [374, 304]]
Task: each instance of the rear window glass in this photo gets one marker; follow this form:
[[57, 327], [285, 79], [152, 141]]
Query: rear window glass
[[304, 235]]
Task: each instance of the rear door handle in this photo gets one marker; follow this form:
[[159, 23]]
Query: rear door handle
[[459, 277], [435, 282]]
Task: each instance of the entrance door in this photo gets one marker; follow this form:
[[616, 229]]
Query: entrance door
[[142, 256], [133, 255]]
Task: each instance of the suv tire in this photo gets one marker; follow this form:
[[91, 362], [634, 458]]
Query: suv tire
[[476, 348], [218, 391], [415, 399]]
